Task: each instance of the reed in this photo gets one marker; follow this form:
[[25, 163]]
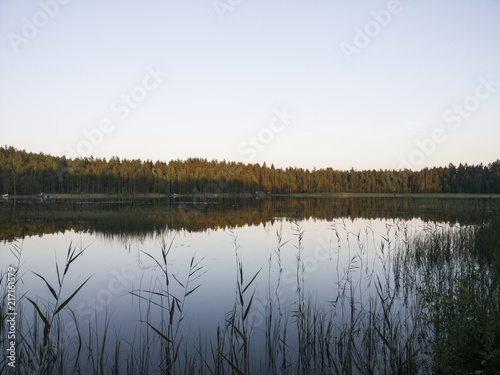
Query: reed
[[172, 308], [407, 301]]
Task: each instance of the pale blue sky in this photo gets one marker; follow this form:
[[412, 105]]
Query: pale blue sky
[[228, 75]]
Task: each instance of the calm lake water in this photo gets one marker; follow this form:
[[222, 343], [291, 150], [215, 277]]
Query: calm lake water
[[324, 243]]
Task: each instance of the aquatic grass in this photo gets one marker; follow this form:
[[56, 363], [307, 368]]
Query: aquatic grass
[[406, 301], [322, 345], [238, 326], [44, 352], [275, 341], [41, 342], [461, 295], [100, 358], [172, 307]]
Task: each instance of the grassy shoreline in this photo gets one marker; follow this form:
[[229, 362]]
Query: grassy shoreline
[[388, 195], [248, 195]]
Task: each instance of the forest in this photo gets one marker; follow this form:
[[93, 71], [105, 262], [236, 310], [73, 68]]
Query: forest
[[27, 173]]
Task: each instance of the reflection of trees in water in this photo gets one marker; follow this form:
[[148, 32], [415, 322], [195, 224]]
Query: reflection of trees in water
[[145, 217]]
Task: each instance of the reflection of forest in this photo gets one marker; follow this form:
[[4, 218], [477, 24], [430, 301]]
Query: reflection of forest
[[142, 216]]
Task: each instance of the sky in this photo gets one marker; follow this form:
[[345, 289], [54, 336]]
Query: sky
[[294, 83]]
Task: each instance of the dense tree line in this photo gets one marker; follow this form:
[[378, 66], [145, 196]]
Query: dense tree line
[[24, 173]]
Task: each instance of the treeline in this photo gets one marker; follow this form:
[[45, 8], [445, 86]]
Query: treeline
[[25, 173]]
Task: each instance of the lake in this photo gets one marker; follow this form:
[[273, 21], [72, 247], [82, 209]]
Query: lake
[[275, 285]]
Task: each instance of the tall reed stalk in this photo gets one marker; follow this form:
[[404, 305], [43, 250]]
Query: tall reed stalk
[[172, 308]]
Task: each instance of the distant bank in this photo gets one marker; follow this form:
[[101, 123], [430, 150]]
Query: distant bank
[[249, 195], [26, 173]]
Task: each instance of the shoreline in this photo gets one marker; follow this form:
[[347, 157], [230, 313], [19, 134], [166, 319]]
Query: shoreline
[[249, 195]]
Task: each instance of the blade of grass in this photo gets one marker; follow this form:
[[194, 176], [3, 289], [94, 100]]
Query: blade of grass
[[172, 310], [71, 297], [251, 281], [48, 285], [248, 308], [238, 371], [192, 290], [45, 322], [159, 333]]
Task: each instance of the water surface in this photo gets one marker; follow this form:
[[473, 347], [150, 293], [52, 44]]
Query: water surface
[[325, 244]]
